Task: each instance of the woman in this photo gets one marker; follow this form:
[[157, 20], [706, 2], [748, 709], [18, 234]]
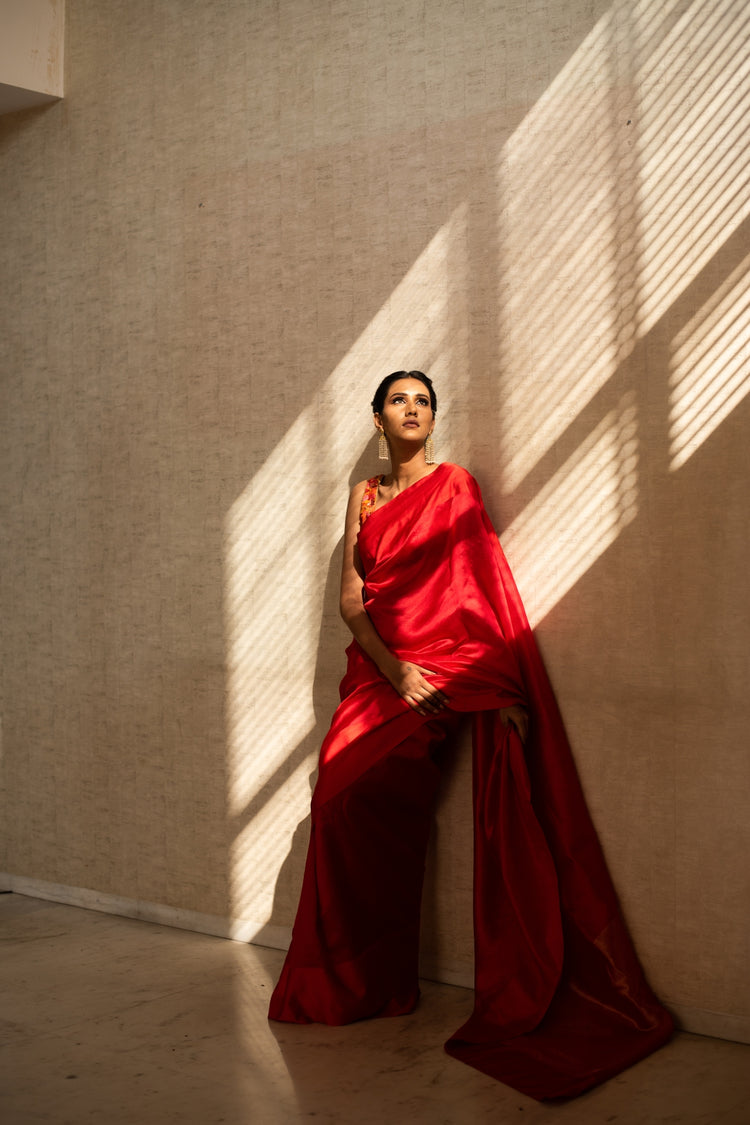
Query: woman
[[439, 630]]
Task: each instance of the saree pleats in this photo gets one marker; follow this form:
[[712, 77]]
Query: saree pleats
[[355, 949], [561, 1002]]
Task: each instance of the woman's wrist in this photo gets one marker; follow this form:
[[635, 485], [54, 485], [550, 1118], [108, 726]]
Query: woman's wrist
[[389, 665]]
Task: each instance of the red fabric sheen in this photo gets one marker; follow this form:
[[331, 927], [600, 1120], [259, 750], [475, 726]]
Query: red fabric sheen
[[561, 1002]]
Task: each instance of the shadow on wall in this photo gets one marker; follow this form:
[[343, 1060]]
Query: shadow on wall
[[585, 308]]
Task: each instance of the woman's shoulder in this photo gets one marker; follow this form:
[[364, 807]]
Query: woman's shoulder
[[362, 499], [458, 475], [361, 487], [456, 470]]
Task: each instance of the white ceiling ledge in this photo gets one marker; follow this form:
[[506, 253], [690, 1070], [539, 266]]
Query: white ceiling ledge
[[31, 53]]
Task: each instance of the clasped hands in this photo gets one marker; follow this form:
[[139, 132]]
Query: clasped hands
[[424, 698]]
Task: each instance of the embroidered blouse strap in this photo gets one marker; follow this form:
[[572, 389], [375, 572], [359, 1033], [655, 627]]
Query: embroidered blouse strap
[[369, 496]]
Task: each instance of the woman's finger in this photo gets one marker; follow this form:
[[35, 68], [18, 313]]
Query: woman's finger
[[435, 693], [423, 696], [434, 700], [518, 718], [521, 722]]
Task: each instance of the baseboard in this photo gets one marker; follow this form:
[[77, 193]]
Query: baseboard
[[716, 1025], [699, 1021], [236, 929], [461, 975]]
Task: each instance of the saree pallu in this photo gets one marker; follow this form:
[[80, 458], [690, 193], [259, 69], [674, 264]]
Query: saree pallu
[[561, 1002]]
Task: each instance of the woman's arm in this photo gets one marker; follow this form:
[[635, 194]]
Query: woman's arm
[[407, 679]]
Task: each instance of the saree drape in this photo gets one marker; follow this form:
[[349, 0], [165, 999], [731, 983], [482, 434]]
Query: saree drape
[[561, 1002]]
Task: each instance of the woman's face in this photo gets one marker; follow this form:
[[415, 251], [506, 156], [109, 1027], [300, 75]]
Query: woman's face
[[407, 414]]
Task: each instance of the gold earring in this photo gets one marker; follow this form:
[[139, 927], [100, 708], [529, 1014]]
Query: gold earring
[[429, 450], [383, 452]]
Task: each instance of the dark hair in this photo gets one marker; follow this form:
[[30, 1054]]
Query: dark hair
[[379, 400]]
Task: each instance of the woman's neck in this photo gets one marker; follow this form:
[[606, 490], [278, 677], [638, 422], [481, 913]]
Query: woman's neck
[[407, 470]]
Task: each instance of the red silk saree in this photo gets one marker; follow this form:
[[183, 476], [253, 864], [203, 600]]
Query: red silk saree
[[561, 1002]]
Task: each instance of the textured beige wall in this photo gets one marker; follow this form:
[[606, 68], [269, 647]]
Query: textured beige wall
[[31, 45], [239, 219]]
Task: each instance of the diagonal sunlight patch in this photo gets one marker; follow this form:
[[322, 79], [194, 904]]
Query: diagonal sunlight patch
[[710, 369], [261, 847], [694, 151], [282, 530], [569, 314], [645, 171], [579, 513]]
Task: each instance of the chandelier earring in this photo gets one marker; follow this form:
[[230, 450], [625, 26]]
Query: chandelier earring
[[383, 451], [429, 450]]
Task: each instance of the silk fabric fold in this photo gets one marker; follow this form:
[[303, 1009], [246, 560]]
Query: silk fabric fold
[[561, 1002]]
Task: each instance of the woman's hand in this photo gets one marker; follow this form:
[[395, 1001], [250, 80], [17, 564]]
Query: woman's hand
[[517, 717], [410, 683]]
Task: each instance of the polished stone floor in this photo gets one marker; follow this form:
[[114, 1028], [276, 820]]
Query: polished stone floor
[[108, 1020]]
